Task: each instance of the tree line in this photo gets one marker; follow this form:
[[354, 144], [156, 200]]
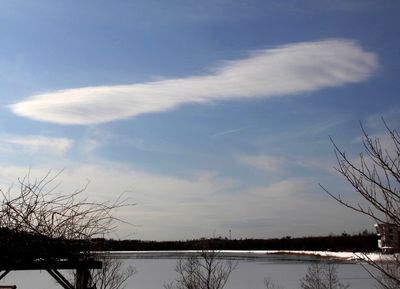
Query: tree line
[[361, 242]]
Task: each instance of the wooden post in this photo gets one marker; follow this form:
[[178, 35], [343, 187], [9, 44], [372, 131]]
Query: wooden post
[[3, 274], [82, 278]]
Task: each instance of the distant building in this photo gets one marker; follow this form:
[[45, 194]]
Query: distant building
[[389, 237]]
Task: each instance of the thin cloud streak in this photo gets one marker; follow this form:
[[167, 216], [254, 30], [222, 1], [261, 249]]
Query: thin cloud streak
[[226, 132], [286, 70], [37, 143]]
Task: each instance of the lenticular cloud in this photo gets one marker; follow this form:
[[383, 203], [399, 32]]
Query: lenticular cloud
[[286, 70]]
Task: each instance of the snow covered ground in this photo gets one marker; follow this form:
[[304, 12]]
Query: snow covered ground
[[348, 256]]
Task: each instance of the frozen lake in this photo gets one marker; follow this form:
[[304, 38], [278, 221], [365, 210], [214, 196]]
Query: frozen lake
[[153, 271]]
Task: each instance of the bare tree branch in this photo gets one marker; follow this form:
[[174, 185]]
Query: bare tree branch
[[376, 178], [44, 224]]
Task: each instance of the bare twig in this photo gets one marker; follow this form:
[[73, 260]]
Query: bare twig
[[376, 178], [40, 215]]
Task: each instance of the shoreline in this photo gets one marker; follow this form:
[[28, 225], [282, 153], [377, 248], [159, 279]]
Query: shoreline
[[246, 254]]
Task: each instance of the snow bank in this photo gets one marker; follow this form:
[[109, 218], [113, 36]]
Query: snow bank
[[348, 256]]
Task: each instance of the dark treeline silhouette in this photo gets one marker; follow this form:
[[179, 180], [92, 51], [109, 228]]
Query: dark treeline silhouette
[[29, 244], [363, 242], [26, 248]]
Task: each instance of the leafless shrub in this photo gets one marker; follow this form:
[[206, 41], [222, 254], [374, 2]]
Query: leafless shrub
[[38, 223], [322, 276], [112, 275], [270, 284], [206, 271]]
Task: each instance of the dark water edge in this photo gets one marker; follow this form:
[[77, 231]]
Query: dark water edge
[[238, 255]]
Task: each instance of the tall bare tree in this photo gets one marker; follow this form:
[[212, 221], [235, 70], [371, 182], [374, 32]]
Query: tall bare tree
[[204, 271], [375, 176]]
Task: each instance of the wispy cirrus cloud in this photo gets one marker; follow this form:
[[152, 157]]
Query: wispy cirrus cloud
[[38, 143], [285, 70]]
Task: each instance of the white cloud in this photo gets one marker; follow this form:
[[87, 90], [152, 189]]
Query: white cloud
[[274, 164], [170, 207], [285, 70], [38, 143], [165, 204], [284, 189], [314, 164], [263, 162], [375, 122]]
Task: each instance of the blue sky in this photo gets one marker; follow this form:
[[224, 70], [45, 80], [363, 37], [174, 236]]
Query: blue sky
[[209, 115]]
